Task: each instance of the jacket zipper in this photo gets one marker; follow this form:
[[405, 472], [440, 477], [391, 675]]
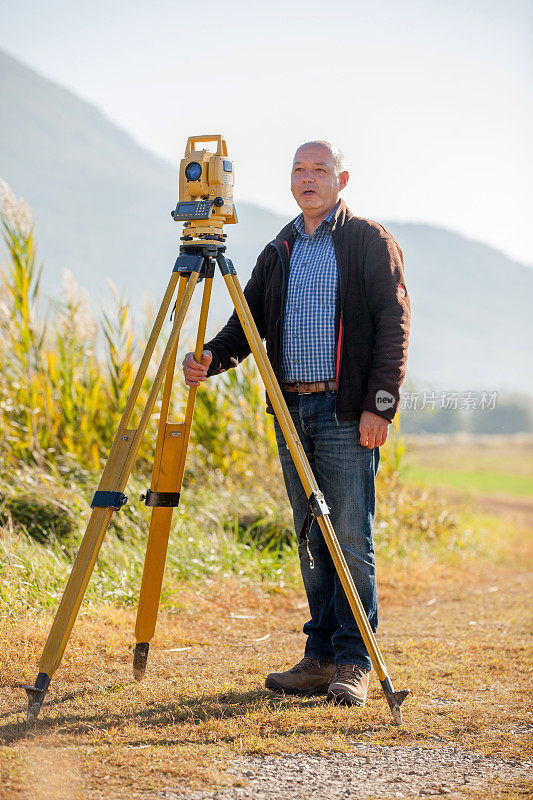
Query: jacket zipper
[[340, 341], [279, 322]]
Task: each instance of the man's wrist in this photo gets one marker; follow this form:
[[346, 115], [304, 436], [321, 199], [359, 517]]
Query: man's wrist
[[381, 403], [376, 418], [214, 366]]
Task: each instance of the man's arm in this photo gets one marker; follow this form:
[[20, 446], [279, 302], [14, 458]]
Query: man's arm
[[230, 346], [391, 312]]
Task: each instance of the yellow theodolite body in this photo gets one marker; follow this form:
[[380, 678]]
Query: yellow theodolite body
[[205, 190]]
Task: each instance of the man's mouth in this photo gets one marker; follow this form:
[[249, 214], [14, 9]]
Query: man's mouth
[[308, 192]]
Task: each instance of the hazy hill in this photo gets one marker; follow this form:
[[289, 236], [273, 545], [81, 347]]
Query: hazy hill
[[102, 203], [472, 320]]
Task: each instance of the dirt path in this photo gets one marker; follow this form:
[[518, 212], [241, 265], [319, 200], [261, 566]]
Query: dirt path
[[518, 510], [515, 510], [201, 726], [368, 771]]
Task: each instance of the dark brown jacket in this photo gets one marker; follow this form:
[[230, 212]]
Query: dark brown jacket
[[371, 322]]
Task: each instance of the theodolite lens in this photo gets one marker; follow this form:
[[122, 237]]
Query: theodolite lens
[[193, 170]]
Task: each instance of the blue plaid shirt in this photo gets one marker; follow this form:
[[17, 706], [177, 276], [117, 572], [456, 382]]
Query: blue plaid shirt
[[309, 324]]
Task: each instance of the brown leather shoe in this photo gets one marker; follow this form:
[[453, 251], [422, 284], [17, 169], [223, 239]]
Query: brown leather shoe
[[349, 685], [309, 676]]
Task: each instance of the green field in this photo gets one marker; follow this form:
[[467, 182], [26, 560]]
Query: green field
[[501, 466]]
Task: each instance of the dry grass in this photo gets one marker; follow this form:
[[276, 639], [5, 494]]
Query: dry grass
[[456, 635]]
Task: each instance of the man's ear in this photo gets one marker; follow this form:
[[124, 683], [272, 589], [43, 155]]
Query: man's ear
[[344, 177]]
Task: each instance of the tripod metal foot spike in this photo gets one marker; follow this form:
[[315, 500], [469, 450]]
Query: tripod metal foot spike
[[140, 658], [394, 699], [36, 695]]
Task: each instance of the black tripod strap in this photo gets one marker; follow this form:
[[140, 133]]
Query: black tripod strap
[[165, 499], [306, 527], [317, 507]]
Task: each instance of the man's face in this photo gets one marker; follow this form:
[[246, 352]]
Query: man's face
[[315, 184]]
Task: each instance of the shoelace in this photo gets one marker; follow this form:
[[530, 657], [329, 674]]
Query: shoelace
[[346, 672], [304, 665]]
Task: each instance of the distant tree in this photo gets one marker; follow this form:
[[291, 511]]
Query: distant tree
[[441, 420], [510, 417]]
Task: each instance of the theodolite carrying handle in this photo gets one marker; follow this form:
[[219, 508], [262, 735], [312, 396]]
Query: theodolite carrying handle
[[222, 148]]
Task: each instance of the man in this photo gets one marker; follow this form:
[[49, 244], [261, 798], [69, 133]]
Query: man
[[328, 295]]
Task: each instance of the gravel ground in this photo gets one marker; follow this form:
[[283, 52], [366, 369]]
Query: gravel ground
[[367, 772]]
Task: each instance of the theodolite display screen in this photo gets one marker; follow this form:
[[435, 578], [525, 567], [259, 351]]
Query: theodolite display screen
[[200, 209]]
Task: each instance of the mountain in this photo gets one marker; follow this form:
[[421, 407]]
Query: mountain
[[101, 204], [472, 325]]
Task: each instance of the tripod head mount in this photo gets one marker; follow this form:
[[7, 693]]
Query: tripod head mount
[[205, 192]]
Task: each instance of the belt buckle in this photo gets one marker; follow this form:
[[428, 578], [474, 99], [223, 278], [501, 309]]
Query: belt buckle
[[309, 391]]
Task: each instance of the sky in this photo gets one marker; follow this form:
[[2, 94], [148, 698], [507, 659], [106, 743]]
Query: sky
[[430, 101]]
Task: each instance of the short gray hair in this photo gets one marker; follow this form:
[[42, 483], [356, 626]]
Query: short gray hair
[[336, 152]]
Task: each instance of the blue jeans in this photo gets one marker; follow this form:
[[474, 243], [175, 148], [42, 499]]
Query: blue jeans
[[345, 472]]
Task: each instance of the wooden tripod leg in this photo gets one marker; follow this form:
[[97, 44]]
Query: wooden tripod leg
[[110, 491], [320, 510], [167, 479]]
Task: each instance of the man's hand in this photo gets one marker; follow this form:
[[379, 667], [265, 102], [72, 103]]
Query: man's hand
[[196, 373], [373, 429]]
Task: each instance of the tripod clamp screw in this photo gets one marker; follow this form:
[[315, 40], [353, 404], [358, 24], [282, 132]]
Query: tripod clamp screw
[[164, 499]]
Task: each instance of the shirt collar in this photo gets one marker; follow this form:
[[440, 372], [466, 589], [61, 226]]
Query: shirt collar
[[299, 227]]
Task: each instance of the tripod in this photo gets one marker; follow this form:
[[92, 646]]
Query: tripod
[[195, 263]]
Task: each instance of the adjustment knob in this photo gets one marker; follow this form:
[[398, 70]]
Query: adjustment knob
[[219, 201]]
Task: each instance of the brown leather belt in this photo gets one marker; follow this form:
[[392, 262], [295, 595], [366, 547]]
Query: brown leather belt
[[308, 388]]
